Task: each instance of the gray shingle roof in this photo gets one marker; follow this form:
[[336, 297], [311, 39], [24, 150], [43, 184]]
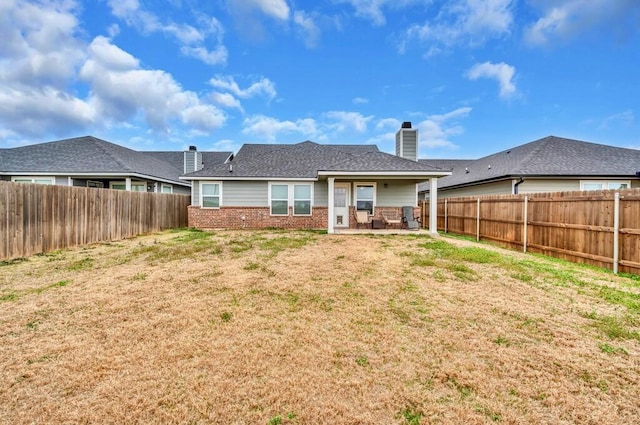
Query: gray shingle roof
[[89, 155], [176, 158], [304, 160], [550, 156]]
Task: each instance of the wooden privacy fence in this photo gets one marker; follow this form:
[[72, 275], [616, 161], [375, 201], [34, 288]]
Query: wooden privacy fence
[[595, 227], [40, 218]]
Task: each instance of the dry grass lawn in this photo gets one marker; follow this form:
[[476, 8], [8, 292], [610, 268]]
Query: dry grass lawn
[[276, 327]]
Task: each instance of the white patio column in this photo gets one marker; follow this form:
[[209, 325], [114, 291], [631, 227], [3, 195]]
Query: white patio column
[[330, 210], [127, 184], [433, 206]]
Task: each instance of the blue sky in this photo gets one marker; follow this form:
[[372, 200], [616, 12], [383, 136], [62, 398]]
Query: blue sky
[[475, 76]]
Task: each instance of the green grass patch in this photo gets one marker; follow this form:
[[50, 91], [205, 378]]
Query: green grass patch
[[85, 263], [13, 261]]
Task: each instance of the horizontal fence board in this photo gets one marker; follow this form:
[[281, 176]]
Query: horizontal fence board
[[41, 218], [576, 226]]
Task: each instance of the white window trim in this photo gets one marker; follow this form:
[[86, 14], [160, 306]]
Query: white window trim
[[291, 198], [375, 194], [270, 200], [219, 183], [34, 178], [604, 183], [163, 185], [133, 183]]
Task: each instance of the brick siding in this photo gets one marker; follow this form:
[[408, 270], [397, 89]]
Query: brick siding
[[259, 218], [254, 218]]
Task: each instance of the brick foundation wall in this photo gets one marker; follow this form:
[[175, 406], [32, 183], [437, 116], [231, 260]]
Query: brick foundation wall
[[254, 218], [259, 218]]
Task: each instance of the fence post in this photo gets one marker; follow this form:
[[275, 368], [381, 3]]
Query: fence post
[[478, 222], [526, 219], [446, 217], [616, 230]]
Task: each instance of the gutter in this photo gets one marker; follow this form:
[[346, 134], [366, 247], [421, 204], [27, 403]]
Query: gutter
[[516, 184]]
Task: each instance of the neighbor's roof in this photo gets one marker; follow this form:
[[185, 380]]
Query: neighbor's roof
[[306, 160], [548, 157], [87, 155], [176, 158]]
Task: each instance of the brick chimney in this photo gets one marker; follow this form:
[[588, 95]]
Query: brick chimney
[[407, 142]]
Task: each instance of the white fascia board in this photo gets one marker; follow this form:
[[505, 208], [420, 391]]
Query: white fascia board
[[271, 179], [96, 175], [400, 174]]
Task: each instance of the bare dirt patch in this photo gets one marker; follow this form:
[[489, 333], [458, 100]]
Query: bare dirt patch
[[299, 327]]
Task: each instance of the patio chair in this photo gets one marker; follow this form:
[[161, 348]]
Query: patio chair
[[362, 217], [391, 218], [409, 220]]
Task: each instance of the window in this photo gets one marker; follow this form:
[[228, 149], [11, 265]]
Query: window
[[279, 199], [118, 185], [135, 186], [138, 187], [282, 195], [301, 199], [365, 196], [37, 180], [210, 195], [166, 188], [604, 184]]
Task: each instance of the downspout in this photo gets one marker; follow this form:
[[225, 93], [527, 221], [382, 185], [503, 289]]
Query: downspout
[[516, 184]]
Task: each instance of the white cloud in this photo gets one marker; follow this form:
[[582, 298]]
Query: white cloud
[[226, 100], [276, 9], [268, 128], [469, 22], [566, 19], [226, 145], [307, 27], [373, 9], [264, 87], [193, 40], [39, 56], [360, 100], [501, 72], [121, 92], [622, 118], [346, 121], [215, 57], [392, 123], [436, 130], [228, 91]]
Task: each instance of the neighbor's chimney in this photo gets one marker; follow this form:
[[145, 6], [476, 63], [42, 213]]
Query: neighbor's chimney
[[192, 160], [407, 142]]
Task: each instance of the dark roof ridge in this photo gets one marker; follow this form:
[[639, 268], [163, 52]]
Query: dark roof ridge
[[538, 146], [101, 145]]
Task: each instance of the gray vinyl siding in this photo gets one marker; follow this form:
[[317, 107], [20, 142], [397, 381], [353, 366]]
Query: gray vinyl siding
[[61, 180], [321, 194], [397, 193], [548, 185], [497, 188], [181, 190], [407, 144], [195, 193], [245, 193], [192, 161]]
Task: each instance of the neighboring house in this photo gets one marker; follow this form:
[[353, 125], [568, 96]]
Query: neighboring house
[[92, 162], [551, 164], [308, 185]]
